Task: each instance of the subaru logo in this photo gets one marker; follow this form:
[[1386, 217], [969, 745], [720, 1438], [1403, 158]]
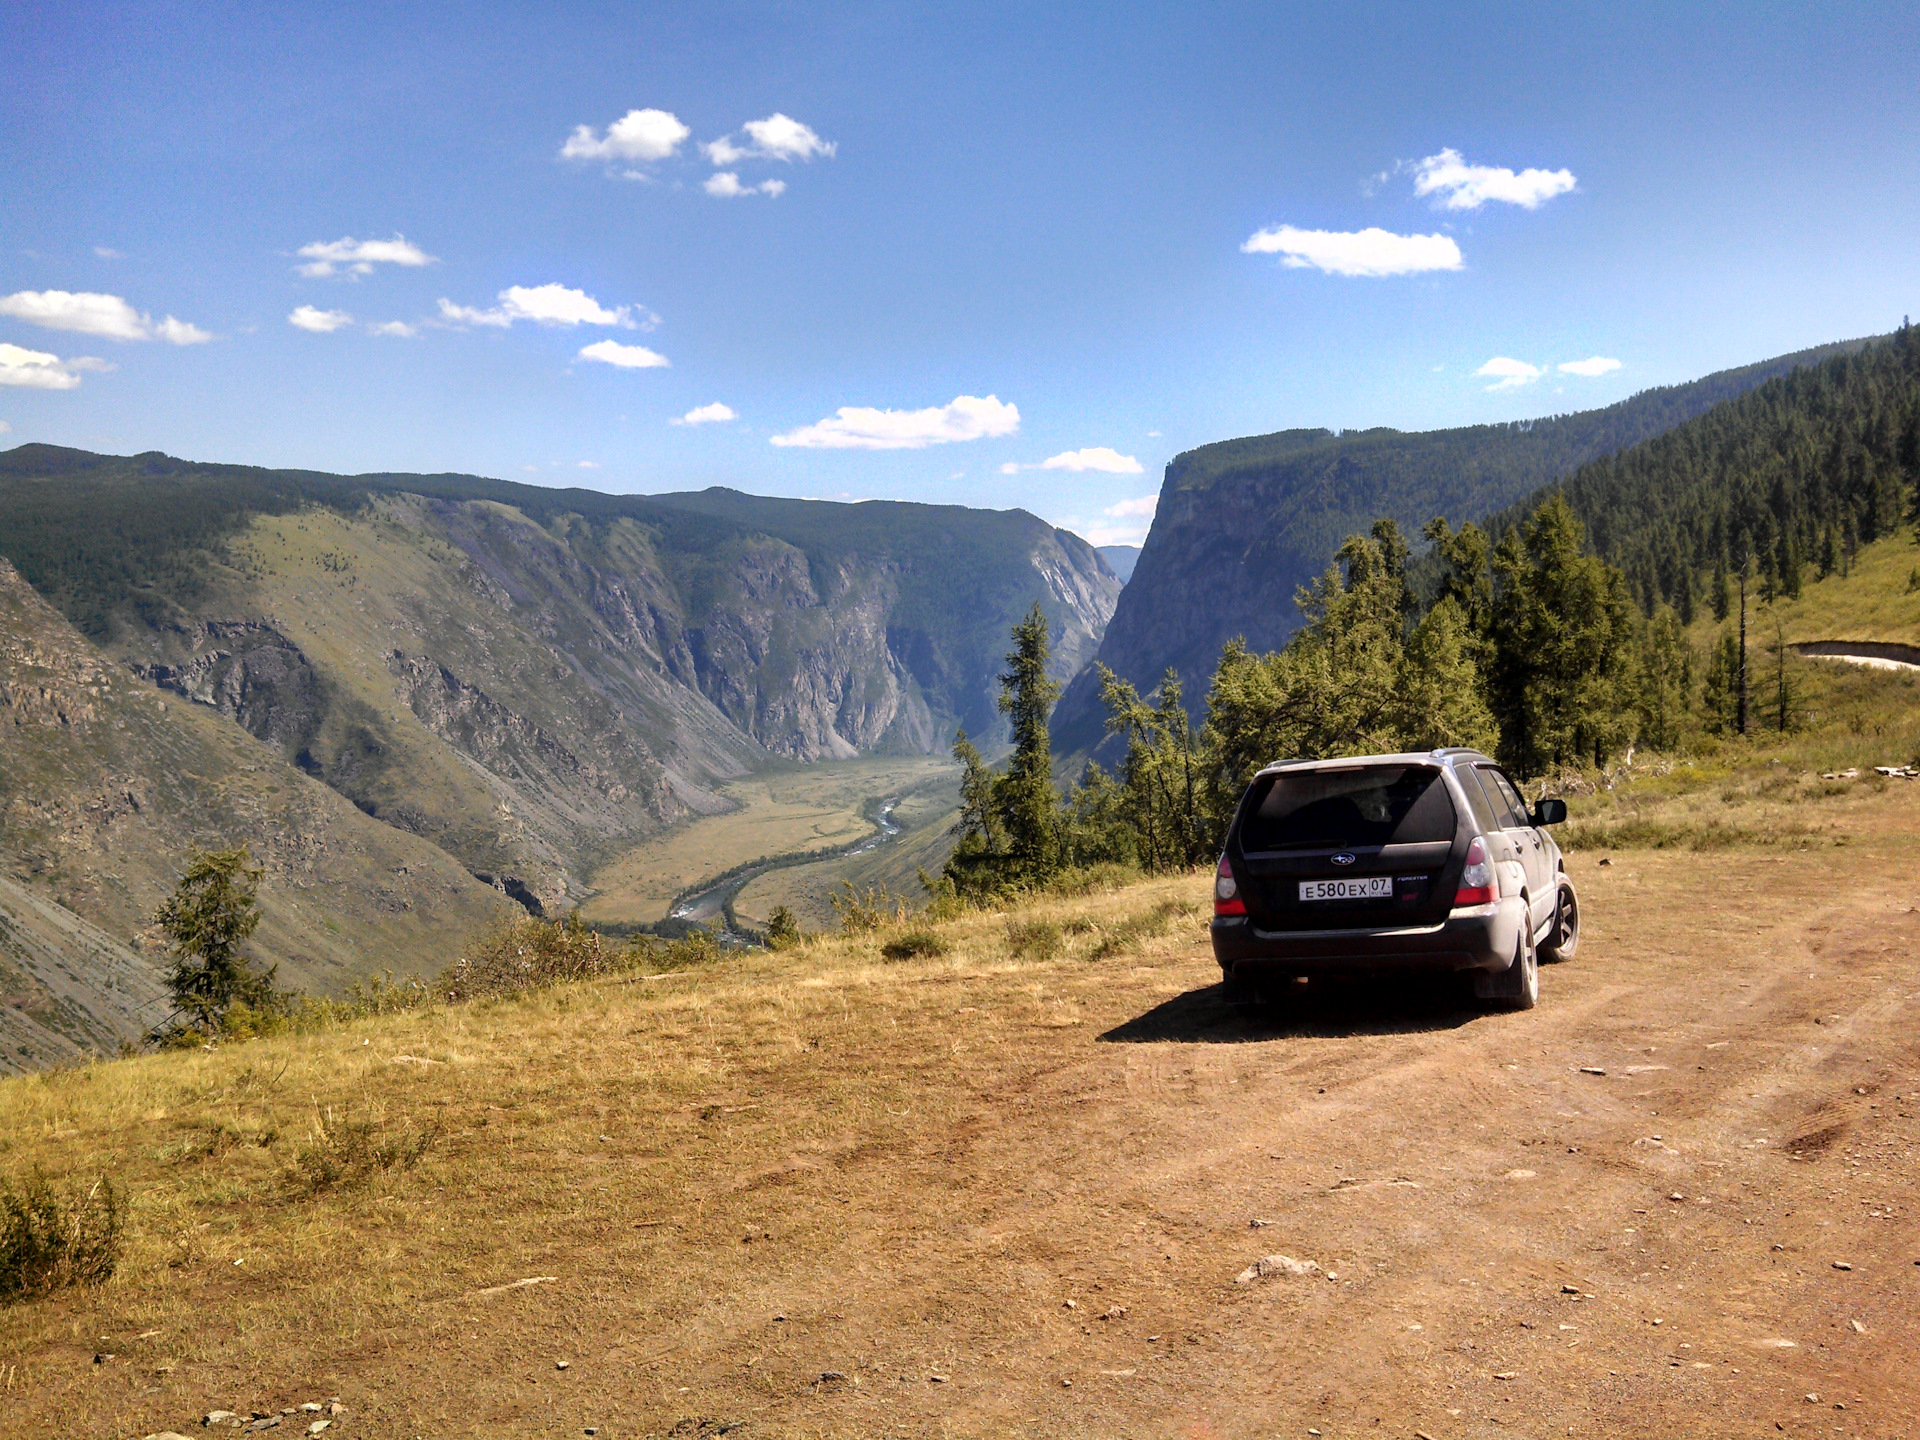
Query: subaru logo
[[1343, 859]]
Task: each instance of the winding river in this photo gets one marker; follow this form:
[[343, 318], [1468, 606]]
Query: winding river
[[708, 906]]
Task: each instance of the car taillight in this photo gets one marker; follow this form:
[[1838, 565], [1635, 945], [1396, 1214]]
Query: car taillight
[[1476, 881], [1226, 891]]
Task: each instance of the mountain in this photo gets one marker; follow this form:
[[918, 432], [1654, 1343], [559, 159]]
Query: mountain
[[531, 679], [1242, 524], [107, 785], [1120, 559]]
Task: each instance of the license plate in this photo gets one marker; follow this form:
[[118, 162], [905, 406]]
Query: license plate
[[1378, 887]]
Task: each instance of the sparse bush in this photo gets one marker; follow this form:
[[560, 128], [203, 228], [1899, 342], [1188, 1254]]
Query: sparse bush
[[343, 1151], [1034, 939], [49, 1241], [915, 945], [526, 953], [861, 911]]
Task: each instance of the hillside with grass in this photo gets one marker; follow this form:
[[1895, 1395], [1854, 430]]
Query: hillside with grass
[[1243, 524]]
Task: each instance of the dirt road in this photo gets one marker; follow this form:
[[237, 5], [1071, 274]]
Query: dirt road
[[1675, 1200]]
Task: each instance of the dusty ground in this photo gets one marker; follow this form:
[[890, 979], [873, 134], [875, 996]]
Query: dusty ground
[[982, 1195]]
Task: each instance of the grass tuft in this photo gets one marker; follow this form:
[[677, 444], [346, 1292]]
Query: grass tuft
[[915, 945], [344, 1151], [1035, 939], [51, 1241]]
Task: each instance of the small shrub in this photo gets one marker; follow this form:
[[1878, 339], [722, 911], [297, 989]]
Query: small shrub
[[1034, 939], [343, 1151], [914, 945], [49, 1241], [525, 953], [783, 931]]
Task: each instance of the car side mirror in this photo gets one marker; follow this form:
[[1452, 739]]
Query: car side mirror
[[1549, 812]]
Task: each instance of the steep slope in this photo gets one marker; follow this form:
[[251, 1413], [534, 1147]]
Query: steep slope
[[1242, 524], [68, 990], [105, 787], [535, 679]]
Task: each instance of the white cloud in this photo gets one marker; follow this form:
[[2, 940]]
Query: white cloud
[[107, 252], [1598, 365], [854, 427], [1370, 252], [320, 322], [34, 369], [359, 257], [395, 327], [91, 362], [1508, 374], [1010, 468], [179, 332], [639, 136], [589, 465], [1097, 457], [627, 357], [92, 314], [705, 415], [725, 185], [1141, 506], [1153, 434], [5, 428], [778, 137], [1461, 186], [544, 305]]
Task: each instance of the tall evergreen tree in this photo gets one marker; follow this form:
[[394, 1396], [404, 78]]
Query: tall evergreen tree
[[1562, 646]]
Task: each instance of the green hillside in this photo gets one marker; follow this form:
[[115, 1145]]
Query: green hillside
[[1794, 476]]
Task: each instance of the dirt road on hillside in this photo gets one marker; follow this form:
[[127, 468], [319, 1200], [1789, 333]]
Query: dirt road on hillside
[[1675, 1200]]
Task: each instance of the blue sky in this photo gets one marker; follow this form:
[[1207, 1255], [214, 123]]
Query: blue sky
[[1032, 234]]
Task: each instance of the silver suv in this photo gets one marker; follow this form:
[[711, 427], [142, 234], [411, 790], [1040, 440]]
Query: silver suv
[[1392, 864]]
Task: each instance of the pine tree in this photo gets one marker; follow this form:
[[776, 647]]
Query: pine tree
[[208, 918], [1024, 797]]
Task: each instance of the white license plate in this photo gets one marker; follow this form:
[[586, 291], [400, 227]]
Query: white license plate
[[1378, 887]]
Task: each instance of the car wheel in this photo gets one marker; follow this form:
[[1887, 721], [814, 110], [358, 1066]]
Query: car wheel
[[1518, 986], [1566, 929]]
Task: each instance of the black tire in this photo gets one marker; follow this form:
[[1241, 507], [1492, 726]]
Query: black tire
[[1565, 939], [1518, 986]]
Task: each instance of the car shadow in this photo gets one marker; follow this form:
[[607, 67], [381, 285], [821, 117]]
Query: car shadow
[[1210, 1016]]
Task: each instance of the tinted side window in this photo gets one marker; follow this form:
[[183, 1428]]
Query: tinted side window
[[1336, 809], [1485, 814], [1513, 810]]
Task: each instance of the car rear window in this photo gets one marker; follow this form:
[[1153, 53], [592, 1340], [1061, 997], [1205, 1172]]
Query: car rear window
[[1337, 809]]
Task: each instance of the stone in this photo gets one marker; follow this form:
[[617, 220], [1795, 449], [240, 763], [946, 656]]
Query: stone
[[1841, 1265], [1591, 1070], [317, 1426], [219, 1417], [562, 1364], [1275, 1265]]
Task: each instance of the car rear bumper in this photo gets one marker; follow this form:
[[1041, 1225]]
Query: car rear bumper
[[1484, 937]]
